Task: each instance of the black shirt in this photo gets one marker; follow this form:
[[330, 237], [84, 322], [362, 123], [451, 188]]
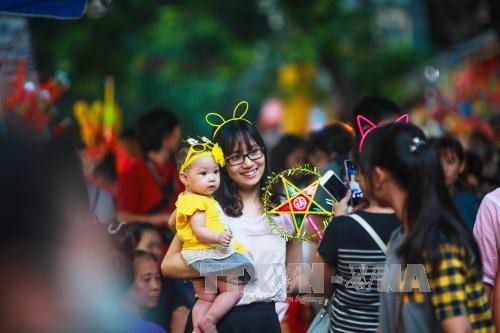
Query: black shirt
[[172, 297], [356, 259]]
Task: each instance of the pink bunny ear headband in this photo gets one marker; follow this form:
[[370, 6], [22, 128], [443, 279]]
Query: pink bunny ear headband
[[361, 119]]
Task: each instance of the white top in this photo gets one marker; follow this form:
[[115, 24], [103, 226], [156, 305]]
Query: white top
[[102, 204], [267, 252]]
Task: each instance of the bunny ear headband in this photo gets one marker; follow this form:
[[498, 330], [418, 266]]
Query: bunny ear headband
[[361, 121], [216, 120], [204, 146]]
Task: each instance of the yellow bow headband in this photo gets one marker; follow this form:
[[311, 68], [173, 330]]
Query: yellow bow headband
[[217, 121], [201, 148]]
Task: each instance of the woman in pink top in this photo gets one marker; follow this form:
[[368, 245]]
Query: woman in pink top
[[487, 234]]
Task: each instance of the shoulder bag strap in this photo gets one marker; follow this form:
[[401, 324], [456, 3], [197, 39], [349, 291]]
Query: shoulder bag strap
[[370, 231], [155, 173], [167, 188]]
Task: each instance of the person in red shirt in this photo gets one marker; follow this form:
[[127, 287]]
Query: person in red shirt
[[148, 189]]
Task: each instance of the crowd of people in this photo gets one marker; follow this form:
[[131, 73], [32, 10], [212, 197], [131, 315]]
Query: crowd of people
[[128, 247]]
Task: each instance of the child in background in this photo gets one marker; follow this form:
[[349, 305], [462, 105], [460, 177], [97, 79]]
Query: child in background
[[207, 244]]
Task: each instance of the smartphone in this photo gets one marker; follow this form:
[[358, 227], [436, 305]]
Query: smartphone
[[352, 180], [333, 185]]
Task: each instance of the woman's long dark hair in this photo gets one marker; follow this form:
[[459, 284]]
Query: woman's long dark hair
[[432, 218], [231, 137]]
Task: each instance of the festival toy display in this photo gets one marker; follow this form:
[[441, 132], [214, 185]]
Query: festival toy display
[[460, 94], [32, 103], [100, 121]]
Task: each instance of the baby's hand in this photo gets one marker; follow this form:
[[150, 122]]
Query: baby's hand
[[225, 238]]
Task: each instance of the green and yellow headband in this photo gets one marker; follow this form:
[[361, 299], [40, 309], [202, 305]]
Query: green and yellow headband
[[202, 147], [216, 120]]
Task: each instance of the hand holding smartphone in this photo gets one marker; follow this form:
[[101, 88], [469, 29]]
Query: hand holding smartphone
[[333, 185]]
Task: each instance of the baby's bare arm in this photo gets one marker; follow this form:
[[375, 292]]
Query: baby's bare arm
[[172, 220], [200, 230]]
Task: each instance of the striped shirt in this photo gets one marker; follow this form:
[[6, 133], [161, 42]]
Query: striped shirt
[[357, 261]]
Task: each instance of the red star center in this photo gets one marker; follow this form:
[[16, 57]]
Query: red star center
[[298, 203]]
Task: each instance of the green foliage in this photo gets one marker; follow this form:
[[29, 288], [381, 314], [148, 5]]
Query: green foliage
[[204, 56]]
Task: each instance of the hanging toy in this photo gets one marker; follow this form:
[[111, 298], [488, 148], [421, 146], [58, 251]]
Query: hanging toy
[[33, 103], [100, 121]]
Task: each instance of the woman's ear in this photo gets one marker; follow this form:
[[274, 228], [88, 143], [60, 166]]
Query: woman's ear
[[462, 167], [379, 177], [380, 186]]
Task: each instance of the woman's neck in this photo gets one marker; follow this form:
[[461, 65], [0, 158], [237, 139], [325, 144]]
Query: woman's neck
[[251, 202], [159, 157], [373, 207], [249, 195], [400, 210], [397, 200], [451, 190]]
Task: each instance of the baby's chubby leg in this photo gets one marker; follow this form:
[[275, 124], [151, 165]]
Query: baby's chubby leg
[[229, 295], [204, 301]]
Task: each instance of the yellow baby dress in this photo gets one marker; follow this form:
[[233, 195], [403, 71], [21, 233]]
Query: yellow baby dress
[[194, 249]]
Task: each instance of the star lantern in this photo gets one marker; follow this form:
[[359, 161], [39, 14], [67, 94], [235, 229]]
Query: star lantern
[[301, 204]]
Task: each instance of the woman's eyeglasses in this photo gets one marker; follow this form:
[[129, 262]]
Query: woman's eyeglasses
[[253, 155]]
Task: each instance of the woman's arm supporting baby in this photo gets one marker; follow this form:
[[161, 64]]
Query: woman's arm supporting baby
[[174, 266]]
